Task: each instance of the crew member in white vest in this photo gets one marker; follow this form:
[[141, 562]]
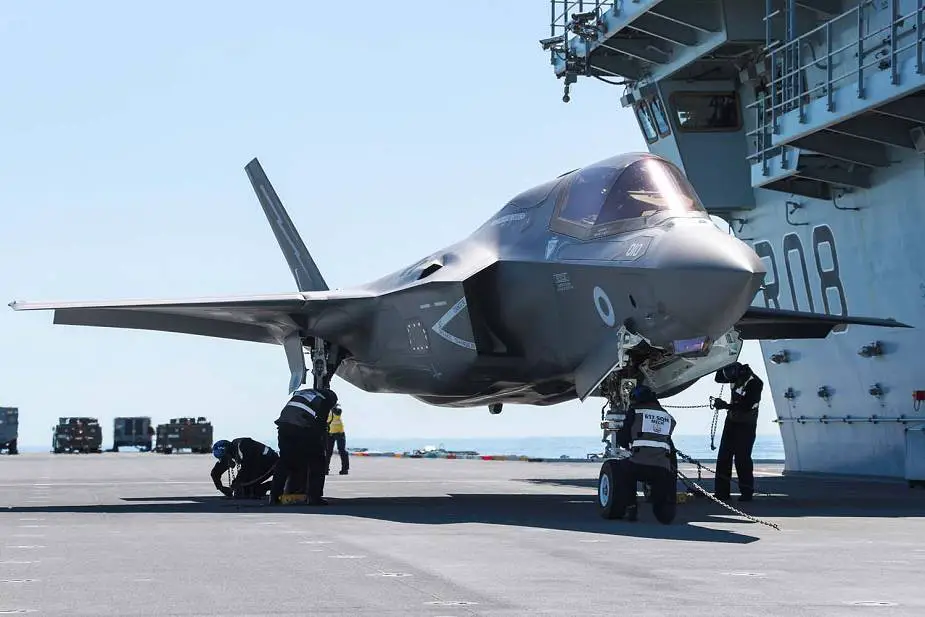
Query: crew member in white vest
[[646, 433]]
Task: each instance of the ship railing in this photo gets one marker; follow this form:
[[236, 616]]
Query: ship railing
[[851, 420], [785, 92], [560, 23]]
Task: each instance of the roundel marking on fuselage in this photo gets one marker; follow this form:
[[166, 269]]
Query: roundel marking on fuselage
[[604, 307]]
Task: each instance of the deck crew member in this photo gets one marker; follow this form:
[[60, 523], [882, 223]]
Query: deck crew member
[[302, 433], [336, 436], [646, 432], [738, 431], [255, 462]]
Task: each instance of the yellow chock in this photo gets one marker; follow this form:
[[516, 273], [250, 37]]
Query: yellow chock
[[684, 497], [291, 498]]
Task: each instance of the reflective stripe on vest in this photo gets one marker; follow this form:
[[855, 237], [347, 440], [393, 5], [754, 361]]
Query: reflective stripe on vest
[[303, 407], [648, 443], [652, 428]]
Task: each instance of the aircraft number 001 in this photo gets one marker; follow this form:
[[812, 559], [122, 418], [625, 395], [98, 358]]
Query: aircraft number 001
[[795, 257], [792, 245]]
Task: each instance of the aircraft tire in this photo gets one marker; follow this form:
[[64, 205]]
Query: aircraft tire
[[606, 485]]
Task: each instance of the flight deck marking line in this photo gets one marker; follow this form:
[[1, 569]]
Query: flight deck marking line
[[341, 556], [109, 483], [19, 580], [146, 483]]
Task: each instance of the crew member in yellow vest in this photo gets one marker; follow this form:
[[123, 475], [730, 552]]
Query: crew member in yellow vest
[[646, 432], [337, 436]]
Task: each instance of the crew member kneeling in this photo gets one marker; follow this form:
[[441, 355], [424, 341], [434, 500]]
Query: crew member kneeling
[[646, 432], [255, 462]]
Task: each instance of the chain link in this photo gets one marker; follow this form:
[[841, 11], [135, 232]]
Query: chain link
[[726, 505], [685, 406], [688, 483]]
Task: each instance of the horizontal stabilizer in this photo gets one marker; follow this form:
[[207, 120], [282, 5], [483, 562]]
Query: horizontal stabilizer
[[304, 270], [261, 319], [772, 324]]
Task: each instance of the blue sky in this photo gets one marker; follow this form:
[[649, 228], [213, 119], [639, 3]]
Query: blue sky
[[388, 135]]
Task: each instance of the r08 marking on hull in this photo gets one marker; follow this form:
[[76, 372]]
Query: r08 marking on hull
[[828, 278]]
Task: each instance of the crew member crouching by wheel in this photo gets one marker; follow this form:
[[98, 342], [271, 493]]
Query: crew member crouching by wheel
[[255, 461], [646, 433]]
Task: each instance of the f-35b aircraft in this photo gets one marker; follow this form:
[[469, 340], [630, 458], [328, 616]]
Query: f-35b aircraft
[[604, 277]]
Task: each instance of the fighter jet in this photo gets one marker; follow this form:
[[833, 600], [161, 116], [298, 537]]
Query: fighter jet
[[610, 274]]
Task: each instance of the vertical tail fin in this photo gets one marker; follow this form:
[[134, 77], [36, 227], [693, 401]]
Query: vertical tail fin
[[306, 273]]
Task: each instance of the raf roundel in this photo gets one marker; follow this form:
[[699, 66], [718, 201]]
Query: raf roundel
[[604, 307]]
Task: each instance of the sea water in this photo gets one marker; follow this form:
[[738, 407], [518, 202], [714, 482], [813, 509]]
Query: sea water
[[767, 447]]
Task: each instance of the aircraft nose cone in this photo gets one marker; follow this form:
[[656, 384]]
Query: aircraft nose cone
[[707, 278]]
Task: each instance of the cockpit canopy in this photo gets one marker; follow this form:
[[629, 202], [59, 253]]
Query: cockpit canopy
[[622, 193]]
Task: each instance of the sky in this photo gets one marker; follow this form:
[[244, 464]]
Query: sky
[[388, 134]]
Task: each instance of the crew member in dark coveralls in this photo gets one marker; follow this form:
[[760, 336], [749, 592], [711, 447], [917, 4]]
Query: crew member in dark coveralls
[[255, 462], [646, 432], [738, 431], [303, 434]]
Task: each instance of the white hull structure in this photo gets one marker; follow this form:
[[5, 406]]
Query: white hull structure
[[802, 124]]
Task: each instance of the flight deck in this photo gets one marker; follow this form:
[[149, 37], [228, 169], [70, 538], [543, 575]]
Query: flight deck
[[138, 534]]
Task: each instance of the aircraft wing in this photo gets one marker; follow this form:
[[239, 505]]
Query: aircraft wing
[[261, 319], [771, 324]]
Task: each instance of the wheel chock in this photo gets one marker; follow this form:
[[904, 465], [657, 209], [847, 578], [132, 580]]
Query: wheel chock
[[292, 498]]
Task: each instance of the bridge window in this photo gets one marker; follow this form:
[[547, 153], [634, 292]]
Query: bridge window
[[644, 116], [661, 121], [707, 111]]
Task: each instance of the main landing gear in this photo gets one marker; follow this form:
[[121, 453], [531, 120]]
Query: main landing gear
[[325, 360]]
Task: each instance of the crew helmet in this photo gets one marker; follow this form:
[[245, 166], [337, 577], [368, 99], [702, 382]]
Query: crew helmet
[[733, 371], [220, 447], [642, 394]]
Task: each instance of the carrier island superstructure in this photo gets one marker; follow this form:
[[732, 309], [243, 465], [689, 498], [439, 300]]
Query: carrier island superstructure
[[800, 123]]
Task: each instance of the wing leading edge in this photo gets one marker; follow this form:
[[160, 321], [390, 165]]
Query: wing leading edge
[[771, 324], [260, 319]]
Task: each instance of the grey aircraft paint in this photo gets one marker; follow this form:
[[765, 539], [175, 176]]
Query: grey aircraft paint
[[526, 309]]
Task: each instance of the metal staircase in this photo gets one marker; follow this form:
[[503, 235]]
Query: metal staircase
[[834, 101]]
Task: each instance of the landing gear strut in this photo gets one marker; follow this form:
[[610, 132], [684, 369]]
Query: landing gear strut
[[617, 388], [325, 360], [617, 391]]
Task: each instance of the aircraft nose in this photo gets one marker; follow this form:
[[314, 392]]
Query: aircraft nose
[[708, 279]]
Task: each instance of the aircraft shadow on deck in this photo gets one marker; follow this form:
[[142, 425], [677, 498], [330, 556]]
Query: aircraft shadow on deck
[[567, 512], [794, 496], [788, 497]]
